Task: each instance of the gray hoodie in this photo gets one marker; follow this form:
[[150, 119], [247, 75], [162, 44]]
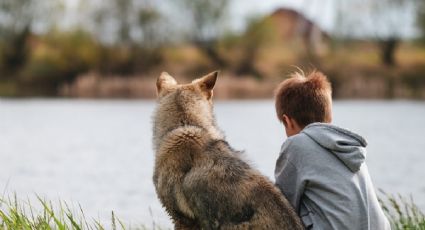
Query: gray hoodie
[[322, 172]]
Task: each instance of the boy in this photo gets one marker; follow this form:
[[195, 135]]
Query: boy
[[321, 168]]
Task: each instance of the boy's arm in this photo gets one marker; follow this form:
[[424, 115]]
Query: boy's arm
[[288, 176]]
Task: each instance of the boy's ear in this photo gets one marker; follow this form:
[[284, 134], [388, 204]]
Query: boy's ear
[[285, 120], [291, 125], [164, 81], [207, 83], [289, 122]]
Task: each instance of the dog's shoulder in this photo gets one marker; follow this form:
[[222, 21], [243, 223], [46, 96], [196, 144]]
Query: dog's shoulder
[[183, 137]]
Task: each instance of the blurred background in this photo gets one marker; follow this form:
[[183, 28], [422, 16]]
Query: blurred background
[[98, 153], [116, 48]]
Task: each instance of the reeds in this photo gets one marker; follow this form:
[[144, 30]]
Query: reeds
[[402, 213], [15, 214]]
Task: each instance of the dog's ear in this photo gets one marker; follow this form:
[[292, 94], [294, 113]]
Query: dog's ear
[[207, 83], [164, 81]]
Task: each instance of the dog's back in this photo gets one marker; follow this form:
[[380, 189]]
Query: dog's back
[[204, 184]]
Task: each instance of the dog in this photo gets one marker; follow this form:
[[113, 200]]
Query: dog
[[200, 180]]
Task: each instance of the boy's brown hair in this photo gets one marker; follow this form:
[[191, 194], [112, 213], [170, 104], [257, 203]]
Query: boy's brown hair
[[305, 99]]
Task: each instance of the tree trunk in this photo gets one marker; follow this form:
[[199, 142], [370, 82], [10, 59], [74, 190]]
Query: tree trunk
[[16, 50], [246, 66], [388, 48], [207, 47]]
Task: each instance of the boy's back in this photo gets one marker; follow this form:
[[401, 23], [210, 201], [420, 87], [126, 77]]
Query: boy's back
[[321, 168], [322, 172]]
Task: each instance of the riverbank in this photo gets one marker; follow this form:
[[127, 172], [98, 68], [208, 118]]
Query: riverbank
[[18, 214], [366, 83], [354, 70]]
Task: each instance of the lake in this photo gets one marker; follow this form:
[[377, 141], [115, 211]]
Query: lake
[[98, 153]]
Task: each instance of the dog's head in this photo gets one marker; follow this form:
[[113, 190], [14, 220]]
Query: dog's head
[[204, 86], [184, 104]]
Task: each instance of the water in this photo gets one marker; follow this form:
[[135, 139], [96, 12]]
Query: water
[[98, 153]]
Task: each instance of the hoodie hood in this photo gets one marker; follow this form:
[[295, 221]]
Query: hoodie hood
[[344, 144]]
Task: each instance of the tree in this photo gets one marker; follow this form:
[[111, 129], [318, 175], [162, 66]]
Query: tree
[[259, 32], [390, 17], [18, 19], [385, 21], [206, 17], [134, 27], [421, 18], [124, 22]]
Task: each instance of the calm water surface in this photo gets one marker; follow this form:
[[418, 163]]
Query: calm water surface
[[98, 153]]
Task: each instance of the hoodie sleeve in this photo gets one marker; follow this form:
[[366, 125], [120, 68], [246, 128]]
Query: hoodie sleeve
[[288, 176]]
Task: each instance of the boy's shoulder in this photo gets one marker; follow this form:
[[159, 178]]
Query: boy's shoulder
[[298, 141], [298, 146]]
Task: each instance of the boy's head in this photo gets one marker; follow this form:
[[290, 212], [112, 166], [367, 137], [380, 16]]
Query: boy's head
[[302, 100]]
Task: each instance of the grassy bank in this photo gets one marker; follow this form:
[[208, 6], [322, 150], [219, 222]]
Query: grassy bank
[[24, 215], [16, 214]]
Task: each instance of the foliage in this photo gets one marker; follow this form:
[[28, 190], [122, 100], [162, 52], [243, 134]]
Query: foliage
[[56, 58]]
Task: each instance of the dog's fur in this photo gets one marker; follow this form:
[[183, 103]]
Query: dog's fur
[[201, 181]]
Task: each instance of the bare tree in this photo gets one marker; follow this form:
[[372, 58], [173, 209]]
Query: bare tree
[[18, 18], [134, 26], [421, 18], [385, 21], [391, 20], [124, 22], [206, 19]]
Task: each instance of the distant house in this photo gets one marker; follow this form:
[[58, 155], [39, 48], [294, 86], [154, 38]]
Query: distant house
[[291, 25]]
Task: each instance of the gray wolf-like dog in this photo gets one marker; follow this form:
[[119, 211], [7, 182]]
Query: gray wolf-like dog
[[200, 180]]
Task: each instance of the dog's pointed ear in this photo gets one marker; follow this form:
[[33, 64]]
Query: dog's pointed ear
[[207, 83], [164, 81]]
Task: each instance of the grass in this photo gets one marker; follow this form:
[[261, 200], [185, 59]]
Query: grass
[[22, 215], [402, 213]]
